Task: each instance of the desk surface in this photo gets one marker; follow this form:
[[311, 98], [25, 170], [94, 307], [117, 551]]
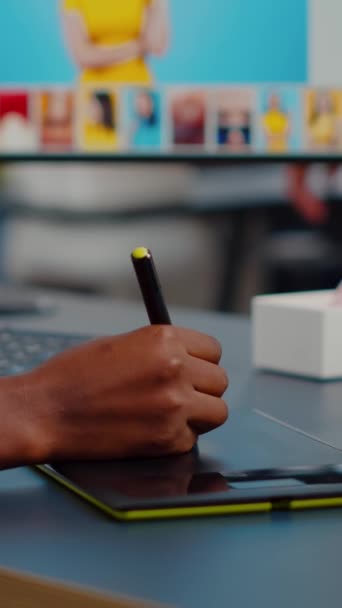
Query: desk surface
[[279, 560]]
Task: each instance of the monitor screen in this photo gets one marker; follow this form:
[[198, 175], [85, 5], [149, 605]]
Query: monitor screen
[[170, 78]]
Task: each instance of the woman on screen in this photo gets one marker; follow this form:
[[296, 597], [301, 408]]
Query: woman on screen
[[56, 119], [276, 125], [111, 40], [145, 128], [322, 122], [99, 128]]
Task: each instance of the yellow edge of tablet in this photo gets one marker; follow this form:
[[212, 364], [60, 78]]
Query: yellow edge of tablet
[[191, 511], [167, 513], [316, 503]]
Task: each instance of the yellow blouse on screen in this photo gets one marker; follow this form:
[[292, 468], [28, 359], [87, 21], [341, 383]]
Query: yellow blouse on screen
[[109, 23], [323, 129], [99, 138], [276, 124]]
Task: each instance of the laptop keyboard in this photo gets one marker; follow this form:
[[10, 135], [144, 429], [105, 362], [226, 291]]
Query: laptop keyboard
[[21, 351]]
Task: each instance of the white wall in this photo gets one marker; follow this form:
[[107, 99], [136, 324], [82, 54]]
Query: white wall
[[325, 42]]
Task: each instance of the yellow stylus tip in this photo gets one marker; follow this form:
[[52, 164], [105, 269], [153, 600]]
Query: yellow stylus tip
[[140, 253]]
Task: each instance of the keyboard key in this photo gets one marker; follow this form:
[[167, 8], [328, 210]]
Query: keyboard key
[[21, 351]]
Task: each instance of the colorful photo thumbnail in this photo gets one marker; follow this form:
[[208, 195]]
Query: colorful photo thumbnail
[[323, 120], [280, 120], [143, 118], [188, 115], [234, 109], [56, 117], [18, 131], [98, 119]]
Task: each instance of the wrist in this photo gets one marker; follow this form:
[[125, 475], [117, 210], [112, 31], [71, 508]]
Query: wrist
[[21, 436]]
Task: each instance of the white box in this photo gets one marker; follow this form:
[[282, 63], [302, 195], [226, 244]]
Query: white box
[[298, 333]]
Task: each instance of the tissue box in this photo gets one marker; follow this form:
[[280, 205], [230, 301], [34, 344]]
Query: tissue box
[[298, 333]]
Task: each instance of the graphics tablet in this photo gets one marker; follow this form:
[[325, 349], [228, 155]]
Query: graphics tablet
[[251, 466]]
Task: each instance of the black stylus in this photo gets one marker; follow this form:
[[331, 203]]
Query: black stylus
[[151, 290]]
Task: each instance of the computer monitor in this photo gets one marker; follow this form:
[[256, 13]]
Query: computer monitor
[[204, 79]]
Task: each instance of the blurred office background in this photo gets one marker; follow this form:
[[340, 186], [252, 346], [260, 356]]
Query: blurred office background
[[219, 234]]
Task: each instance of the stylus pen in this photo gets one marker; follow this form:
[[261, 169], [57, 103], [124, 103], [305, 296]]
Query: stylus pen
[[150, 287]]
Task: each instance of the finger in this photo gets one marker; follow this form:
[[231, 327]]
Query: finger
[[200, 345], [206, 413], [186, 441], [206, 377], [182, 443]]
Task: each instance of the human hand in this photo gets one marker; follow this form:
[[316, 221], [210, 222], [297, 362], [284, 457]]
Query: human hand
[[147, 393]]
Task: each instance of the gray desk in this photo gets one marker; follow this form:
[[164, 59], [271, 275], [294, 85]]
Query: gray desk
[[264, 561]]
